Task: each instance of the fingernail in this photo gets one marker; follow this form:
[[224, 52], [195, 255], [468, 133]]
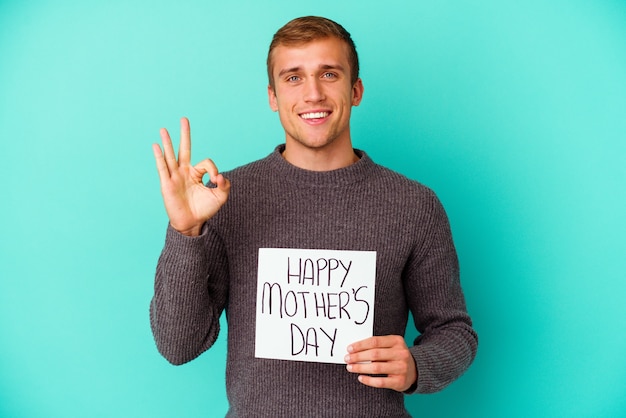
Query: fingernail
[[350, 349], [349, 367], [347, 359]]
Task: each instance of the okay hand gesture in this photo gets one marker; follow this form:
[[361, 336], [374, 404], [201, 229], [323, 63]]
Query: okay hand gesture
[[188, 202]]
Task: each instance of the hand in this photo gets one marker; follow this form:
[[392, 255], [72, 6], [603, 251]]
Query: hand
[[188, 202], [384, 355]]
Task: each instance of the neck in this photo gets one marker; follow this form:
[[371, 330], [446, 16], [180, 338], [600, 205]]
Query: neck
[[319, 159]]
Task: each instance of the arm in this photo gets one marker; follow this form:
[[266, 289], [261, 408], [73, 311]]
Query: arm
[[190, 293], [447, 344], [191, 281]]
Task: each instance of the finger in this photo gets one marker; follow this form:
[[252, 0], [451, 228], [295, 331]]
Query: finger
[[184, 151], [396, 352], [164, 173], [381, 382], [367, 344], [377, 368], [371, 349], [365, 356], [376, 382], [381, 341], [168, 150], [207, 167]]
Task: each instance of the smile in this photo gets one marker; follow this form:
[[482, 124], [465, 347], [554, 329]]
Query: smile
[[314, 115]]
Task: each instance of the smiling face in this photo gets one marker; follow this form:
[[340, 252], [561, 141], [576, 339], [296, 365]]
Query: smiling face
[[313, 95]]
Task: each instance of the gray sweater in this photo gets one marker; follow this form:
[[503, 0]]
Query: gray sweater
[[273, 204]]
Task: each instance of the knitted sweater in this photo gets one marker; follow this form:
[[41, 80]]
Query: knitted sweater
[[273, 204]]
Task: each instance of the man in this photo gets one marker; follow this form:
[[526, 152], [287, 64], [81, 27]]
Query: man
[[313, 192]]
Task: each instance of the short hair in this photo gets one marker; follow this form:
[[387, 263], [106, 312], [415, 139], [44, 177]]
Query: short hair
[[306, 29]]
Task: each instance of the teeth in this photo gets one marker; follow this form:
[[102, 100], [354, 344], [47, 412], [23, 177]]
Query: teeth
[[314, 115]]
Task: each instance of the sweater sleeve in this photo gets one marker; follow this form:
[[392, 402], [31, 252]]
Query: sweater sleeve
[[447, 342], [190, 293]]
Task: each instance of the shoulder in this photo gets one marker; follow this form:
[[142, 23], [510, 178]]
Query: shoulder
[[405, 188], [407, 200]]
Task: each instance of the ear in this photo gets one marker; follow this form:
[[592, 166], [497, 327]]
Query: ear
[[271, 95], [357, 92]]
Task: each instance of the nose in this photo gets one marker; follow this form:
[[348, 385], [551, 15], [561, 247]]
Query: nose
[[313, 90]]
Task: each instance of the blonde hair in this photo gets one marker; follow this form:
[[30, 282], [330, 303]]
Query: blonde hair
[[306, 29]]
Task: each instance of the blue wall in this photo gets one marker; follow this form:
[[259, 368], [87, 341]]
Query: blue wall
[[514, 112]]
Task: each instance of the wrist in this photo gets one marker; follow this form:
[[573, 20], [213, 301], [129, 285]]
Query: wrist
[[192, 231]]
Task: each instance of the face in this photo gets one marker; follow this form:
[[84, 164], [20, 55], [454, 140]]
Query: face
[[313, 94]]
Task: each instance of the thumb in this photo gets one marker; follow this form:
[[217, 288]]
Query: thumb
[[222, 183]]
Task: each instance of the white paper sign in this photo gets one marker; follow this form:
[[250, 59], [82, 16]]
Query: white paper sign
[[312, 304]]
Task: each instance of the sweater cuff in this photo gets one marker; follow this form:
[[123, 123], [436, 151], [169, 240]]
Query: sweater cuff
[[413, 388], [426, 381], [185, 252], [173, 234]]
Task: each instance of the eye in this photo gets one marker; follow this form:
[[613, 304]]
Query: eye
[[329, 75], [293, 79]]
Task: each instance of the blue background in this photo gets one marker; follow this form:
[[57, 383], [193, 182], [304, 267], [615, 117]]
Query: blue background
[[514, 112]]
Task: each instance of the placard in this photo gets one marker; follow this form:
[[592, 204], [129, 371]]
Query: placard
[[312, 304]]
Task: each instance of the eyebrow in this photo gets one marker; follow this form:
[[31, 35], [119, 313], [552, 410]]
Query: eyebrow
[[321, 67]]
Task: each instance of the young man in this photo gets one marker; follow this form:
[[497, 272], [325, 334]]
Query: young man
[[313, 192]]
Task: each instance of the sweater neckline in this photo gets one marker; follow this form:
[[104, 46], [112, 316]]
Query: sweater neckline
[[353, 173]]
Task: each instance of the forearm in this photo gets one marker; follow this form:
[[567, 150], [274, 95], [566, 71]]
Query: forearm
[[189, 295]]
